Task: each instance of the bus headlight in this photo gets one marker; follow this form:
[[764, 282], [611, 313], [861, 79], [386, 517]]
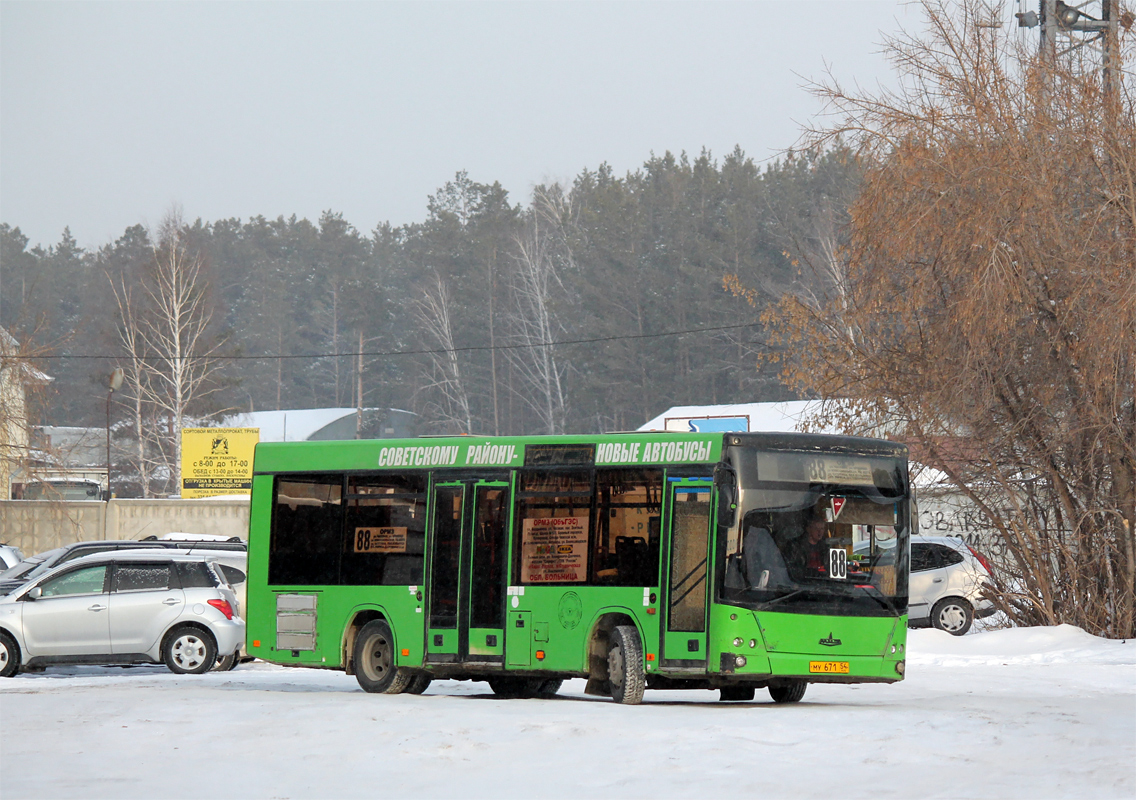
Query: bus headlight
[[738, 642], [899, 667], [740, 661]]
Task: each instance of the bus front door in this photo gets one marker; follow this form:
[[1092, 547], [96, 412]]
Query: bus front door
[[686, 588], [466, 593]]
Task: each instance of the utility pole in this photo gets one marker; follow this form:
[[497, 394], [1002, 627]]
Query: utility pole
[[1089, 29]]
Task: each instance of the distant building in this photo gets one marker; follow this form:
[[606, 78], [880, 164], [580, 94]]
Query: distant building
[[323, 424], [16, 376], [61, 453]]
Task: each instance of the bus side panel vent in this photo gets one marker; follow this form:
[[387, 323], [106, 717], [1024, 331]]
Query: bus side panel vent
[[296, 621]]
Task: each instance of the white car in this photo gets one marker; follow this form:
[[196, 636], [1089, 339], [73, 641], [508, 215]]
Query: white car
[[154, 606], [948, 585], [9, 556]]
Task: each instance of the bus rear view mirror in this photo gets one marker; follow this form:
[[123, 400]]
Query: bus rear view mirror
[[727, 482]]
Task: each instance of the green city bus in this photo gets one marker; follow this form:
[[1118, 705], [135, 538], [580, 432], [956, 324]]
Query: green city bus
[[729, 561]]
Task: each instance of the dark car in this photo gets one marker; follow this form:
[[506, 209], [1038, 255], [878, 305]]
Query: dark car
[[37, 565]]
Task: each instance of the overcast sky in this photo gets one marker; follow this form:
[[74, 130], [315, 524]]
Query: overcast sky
[[112, 112]]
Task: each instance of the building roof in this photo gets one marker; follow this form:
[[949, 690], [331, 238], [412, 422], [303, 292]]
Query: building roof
[[782, 417], [300, 424]]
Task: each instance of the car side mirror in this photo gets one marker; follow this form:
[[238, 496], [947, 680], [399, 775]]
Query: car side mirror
[[35, 594]]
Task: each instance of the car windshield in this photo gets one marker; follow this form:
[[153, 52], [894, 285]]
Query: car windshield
[[36, 565], [811, 544]]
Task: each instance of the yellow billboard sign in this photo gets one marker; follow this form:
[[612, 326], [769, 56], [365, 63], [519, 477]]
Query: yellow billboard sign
[[216, 461]]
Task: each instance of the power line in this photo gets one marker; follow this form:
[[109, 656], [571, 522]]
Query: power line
[[393, 353]]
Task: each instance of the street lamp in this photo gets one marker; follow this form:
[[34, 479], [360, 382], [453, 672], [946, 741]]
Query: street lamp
[[114, 383]]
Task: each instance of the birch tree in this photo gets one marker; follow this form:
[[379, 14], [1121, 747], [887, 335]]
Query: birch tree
[[170, 348], [445, 384], [135, 375], [538, 249]]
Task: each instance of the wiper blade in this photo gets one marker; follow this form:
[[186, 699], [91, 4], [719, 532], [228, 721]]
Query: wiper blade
[[779, 598]]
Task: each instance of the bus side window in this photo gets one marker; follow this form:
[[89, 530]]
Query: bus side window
[[629, 503], [384, 538], [306, 526], [552, 524]]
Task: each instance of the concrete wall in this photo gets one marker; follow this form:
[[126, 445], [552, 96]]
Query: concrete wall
[[38, 525]]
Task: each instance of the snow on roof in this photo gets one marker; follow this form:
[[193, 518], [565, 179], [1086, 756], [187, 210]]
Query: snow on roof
[[290, 425], [783, 417]]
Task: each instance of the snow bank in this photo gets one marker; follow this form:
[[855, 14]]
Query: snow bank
[[1063, 644]]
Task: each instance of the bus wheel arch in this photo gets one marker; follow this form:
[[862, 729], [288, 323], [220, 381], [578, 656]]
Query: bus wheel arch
[[351, 632], [599, 643]]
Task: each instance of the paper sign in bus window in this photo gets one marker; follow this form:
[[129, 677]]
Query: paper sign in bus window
[[380, 540], [554, 550]]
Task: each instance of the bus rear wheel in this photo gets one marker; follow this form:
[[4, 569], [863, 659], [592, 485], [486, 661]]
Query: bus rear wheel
[[374, 660], [418, 684], [625, 670], [549, 688], [738, 694], [788, 692]]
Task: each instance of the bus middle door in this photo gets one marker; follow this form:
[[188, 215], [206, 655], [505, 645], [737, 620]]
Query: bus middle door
[[442, 601], [467, 572], [686, 584]]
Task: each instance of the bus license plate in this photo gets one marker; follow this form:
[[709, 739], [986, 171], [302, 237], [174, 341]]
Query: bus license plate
[[829, 667]]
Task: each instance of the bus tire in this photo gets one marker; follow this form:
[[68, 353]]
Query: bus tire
[[788, 692], [418, 684], [374, 660], [512, 687], [738, 694], [549, 688], [625, 670]]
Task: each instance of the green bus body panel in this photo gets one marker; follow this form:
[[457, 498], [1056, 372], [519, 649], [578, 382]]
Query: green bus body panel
[[470, 452], [336, 607], [557, 620]]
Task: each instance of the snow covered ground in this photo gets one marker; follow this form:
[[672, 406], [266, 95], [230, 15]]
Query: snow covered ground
[[1027, 713]]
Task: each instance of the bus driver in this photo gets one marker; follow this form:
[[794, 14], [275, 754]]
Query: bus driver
[[810, 557]]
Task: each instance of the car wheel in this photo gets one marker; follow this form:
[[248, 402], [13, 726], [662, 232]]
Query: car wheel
[[953, 615], [625, 669], [189, 651], [418, 684], [789, 692], [226, 663], [736, 693], [374, 661], [9, 656]]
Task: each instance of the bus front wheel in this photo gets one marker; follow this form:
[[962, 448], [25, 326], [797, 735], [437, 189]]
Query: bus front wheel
[[625, 669], [374, 660], [788, 692]]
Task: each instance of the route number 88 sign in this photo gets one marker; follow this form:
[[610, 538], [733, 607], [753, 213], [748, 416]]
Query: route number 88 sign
[[838, 563]]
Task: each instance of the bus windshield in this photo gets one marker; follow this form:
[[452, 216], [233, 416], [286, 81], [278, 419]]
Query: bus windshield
[[820, 534]]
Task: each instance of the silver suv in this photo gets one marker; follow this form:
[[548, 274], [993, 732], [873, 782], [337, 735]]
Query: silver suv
[[155, 606], [949, 584]]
